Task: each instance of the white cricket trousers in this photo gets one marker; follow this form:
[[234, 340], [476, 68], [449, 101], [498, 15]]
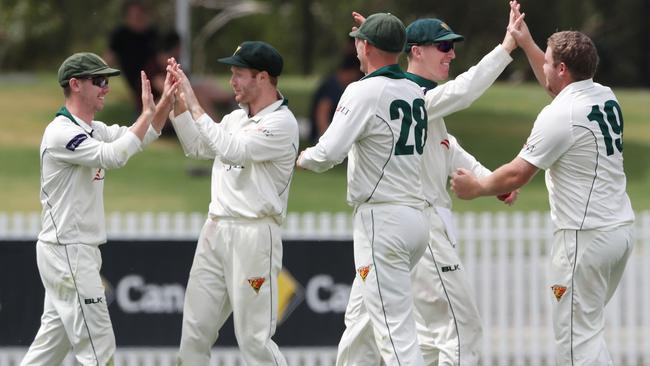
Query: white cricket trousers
[[235, 270], [388, 242], [448, 321], [75, 314], [586, 268]]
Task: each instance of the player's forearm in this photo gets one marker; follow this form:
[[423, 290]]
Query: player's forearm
[[507, 178], [190, 100], [160, 114], [498, 184], [141, 125], [196, 110], [461, 92], [535, 57]]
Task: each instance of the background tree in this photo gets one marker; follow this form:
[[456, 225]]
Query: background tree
[[38, 34]]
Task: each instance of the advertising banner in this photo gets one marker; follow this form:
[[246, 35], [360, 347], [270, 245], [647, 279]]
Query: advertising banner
[[145, 287]]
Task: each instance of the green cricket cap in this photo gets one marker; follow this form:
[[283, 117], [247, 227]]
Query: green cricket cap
[[427, 31], [256, 55], [84, 64], [384, 31]]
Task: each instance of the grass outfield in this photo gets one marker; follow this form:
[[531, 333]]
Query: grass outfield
[[493, 129]]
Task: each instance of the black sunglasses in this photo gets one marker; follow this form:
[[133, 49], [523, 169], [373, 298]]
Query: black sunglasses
[[100, 81], [444, 46]]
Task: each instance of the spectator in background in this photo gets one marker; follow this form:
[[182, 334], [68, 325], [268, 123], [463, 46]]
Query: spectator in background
[[132, 45], [328, 94]]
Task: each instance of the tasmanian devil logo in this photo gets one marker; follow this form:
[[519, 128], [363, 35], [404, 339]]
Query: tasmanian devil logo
[[256, 283], [363, 272], [265, 131], [558, 291], [99, 175]]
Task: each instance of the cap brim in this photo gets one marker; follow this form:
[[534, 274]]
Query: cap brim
[[357, 34], [450, 37], [107, 72], [233, 61], [104, 71]]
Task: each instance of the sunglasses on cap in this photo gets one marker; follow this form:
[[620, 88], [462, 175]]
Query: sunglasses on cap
[[444, 46], [100, 81]]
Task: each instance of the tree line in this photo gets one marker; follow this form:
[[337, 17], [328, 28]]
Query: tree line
[[39, 34]]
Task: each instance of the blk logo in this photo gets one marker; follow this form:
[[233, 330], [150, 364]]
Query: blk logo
[[455, 267], [93, 301]]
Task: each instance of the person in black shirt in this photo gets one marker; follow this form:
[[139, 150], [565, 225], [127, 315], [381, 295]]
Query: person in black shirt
[[133, 45], [328, 94]]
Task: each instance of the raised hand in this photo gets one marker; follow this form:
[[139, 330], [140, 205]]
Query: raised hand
[[166, 102], [148, 104], [185, 87], [169, 89], [185, 91], [358, 19], [519, 31], [517, 27]]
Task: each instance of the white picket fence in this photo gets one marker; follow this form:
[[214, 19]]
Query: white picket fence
[[304, 356], [505, 254], [182, 226]]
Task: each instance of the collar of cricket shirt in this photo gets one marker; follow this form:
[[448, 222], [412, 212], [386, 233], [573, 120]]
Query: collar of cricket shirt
[[268, 109], [63, 111], [391, 71], [576, 86], [424, 83]]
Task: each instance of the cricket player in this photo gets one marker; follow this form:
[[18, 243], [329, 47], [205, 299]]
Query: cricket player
[[75, 153], [578, 140], [380, 125], [451, 337], [448, 322], [239, 252]]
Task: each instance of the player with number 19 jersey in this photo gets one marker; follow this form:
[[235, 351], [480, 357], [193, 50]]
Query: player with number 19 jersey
[[381, 121], [578, 140]]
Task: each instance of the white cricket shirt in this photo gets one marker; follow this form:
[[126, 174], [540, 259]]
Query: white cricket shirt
[[380, 125], [74, 157], [254, 158], [578, 140]]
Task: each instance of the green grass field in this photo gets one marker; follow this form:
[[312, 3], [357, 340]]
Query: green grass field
[[493, 129]]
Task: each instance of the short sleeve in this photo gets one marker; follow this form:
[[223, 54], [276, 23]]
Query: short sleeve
[[550, 138]]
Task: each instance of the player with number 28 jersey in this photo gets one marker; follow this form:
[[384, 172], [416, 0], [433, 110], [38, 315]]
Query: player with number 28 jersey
[[384, 114], [381, 126]]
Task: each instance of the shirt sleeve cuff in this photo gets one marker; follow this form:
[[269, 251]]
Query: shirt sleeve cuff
[[151, 136], [204, 120], [184, 117], [501, 54]]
